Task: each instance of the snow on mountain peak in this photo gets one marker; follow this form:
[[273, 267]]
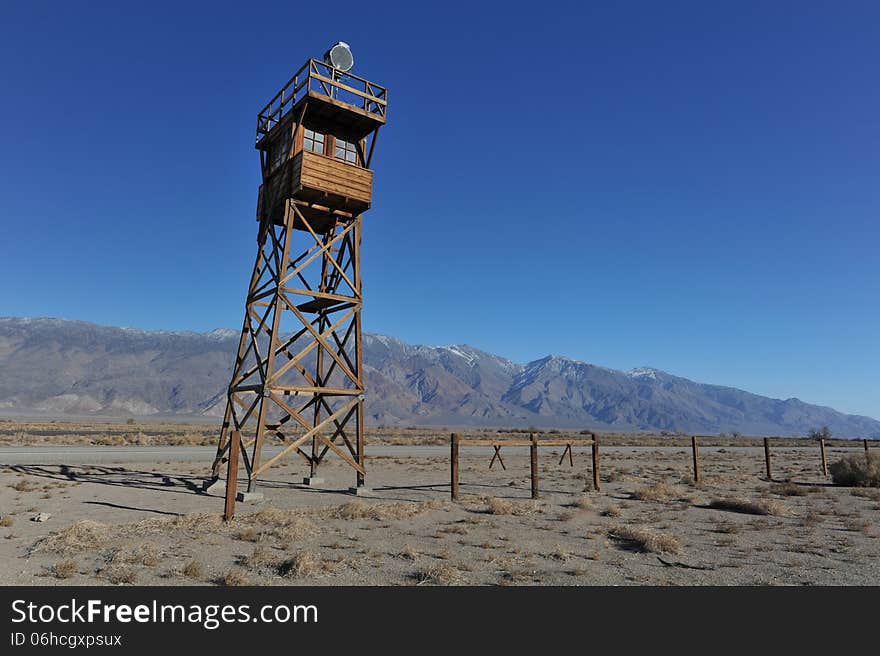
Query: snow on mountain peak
[[643, 372]]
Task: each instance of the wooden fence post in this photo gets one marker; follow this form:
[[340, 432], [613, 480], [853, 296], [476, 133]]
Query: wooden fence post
[[596, 462], [767, 458], [824, 459], [698, 477], [232, 475], [867, 454], [454, 466], [533, 454]]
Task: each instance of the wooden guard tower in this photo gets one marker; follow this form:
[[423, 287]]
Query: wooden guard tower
[[298, 375]]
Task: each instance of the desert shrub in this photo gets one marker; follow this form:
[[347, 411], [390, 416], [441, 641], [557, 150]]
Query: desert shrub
[[658, 492], [789, 489], [118, 574], [856, 471], [233, 577], [496, 506], [64, 569], [441, 574], [302, 563], [193, 570], [646, 539], [259, 557], [759, 507], [83, 535]]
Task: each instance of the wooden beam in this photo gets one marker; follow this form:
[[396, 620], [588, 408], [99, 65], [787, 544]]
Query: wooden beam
[[767, 458], [453, 465], [232, 476], [533, 458], [698, 476], [596, 463]]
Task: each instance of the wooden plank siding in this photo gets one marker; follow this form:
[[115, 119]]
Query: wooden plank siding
[[326, 174], [316, 178]]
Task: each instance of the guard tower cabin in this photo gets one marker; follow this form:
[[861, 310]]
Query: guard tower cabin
[[315, 139]]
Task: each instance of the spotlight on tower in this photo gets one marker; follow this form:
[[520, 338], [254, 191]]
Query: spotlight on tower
[[339, 56]]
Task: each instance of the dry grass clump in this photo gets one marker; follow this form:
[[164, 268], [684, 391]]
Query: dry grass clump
[[64, 569], [789, 489], [611, 511], [302, 563], [378, 512], [873, 495], [249, 535], [407, 553], [117, 574], [856, 471], [727, 528], [144, 554], [496, 506], [582, 503], [259, 557], [234, 577], [658, 492], [646, 539], [285, 525], [24, 486], [559, 553], [857, 524], [759, 507], [6, 521], [437, 574], [80, 536], [193, 570], [811, 519]]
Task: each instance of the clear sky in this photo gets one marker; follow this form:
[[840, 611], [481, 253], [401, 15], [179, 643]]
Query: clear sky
[[686, 185]]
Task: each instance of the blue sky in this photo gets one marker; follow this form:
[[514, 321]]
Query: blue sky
[[686, 185]]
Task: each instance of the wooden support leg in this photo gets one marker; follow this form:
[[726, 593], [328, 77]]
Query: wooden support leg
[[567, 452], [533, 454], [867, 454], [498, 456], [767, 458], [454, 466], [696, 452], [232, 475], [596, 463], [824, 459]]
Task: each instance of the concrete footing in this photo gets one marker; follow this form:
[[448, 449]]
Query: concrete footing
[[249, 497], [215, 487], [361, 491], [313, 481]]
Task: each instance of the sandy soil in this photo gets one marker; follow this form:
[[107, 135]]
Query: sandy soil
[[146, 524]]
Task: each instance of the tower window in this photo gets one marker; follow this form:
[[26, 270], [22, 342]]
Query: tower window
[[346, 151], [313, 141], [279, 151]]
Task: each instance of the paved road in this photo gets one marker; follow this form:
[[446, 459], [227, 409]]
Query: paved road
[[94, 455]]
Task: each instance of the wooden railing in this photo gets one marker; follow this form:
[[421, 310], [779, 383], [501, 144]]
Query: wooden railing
[[318, 77]]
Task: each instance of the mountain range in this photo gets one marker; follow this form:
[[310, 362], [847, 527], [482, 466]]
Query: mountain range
[[58, 368]]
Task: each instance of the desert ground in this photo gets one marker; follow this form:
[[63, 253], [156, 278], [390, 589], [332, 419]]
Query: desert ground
[[126, 518]]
